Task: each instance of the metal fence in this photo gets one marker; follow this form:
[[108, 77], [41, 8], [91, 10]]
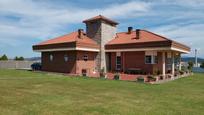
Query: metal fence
[[11, 64]]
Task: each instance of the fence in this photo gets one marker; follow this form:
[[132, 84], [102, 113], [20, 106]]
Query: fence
[[11, 64]]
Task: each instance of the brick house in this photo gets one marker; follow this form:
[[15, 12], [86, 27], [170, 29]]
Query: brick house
[[102, 48]]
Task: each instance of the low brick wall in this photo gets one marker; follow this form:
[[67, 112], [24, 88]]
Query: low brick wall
[[11, 64], [125, 77]]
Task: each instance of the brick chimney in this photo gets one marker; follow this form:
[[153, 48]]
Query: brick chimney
[[129, 30], [137, 34], [80, 33]]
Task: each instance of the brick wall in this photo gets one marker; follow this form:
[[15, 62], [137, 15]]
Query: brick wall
[[74, 65], [135, 60], [58, 64], [89, 65]]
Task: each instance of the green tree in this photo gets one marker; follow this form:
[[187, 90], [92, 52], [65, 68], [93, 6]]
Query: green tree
[[4, 57], [19, 58], [16, 58], [190, 65], [202, 65]]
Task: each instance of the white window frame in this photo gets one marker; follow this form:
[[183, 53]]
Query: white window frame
[[118, 54], [153, 55], [66, 58], [51, 57]]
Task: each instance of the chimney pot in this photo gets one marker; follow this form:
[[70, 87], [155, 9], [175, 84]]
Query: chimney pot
[[129, 30], [137, 33], [80, 33]]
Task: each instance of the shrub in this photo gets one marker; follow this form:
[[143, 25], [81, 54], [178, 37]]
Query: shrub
[[190, 65], [116, 77], [36, 66], [151, 78], [202, 65], [181, 72], [140, 79], [102, 73]]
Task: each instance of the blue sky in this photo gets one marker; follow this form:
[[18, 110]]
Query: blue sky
[[24, 23]]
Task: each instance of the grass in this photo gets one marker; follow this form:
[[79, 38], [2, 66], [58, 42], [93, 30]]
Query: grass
[[29, 93]]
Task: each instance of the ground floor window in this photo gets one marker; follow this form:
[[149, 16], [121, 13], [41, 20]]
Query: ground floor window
[[51, 57], [151, 57], [66, 58], [118, 61], [85, 57]]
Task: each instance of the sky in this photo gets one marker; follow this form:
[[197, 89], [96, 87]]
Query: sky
[[24, 23]]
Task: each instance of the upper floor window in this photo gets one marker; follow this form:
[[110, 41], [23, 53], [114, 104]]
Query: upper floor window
[[51, 57], [66, 58]]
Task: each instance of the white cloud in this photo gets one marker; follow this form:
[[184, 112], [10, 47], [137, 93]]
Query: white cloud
[[42, 21], [37, 20], [190, 35]]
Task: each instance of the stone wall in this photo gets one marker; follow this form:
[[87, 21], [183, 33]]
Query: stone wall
[[108, 32], [101, 32], [93, 31], [11, 64]]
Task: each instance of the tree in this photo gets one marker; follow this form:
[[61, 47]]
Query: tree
[[202, 65], [16, 58], [190, 65], [19, 58], [4, 57]]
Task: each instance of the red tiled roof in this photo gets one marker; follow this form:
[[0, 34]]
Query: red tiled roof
[[144, 36], [100, 17], [146, 39], [72, 37]]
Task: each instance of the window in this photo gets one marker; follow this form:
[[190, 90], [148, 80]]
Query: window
[[51, 57], [148, 59], [85, 57], [151, 59], [66, 58], [118, 62]]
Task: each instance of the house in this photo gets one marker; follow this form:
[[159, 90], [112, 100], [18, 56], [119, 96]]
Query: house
[[102, 49]]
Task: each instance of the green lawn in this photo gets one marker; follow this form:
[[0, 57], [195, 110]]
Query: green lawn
[[29, 93]]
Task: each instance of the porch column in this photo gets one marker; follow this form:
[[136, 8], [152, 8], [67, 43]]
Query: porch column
[[163, 64], [179, 62], [172, 68]]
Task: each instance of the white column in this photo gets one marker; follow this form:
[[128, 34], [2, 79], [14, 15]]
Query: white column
[[172, 68], [163, 64], [179, 62]]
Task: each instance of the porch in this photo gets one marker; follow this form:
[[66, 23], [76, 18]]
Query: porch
[[150, 65]]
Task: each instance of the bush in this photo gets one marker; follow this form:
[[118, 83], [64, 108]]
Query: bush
[[202, 65], [140, 79], [190, 65], [36, 66], [151, 78], [116, 77], [181, 72]]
